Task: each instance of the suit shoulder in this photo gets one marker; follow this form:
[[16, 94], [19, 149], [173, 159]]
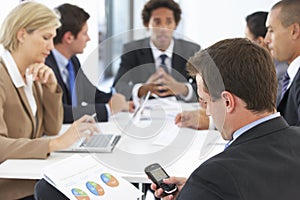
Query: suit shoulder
[[214, 170], [142, 43], [189, 44], [75, 60]]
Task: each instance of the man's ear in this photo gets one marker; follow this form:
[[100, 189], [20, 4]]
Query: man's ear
[[295, 30], [68, 37], [229, 102]]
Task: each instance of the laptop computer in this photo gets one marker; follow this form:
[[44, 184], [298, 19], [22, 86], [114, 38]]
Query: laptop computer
[[98, 143]]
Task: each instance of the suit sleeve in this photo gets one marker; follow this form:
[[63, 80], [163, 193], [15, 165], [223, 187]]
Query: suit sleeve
[[53, 111], [210, 181], [74, 113], [195, 48], [298, 112], [297, 99], [95, 104]]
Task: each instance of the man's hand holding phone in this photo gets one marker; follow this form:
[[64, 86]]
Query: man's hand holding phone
[[159, 192], [163, 185]]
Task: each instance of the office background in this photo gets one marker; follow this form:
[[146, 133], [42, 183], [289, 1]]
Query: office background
[[115, 22]]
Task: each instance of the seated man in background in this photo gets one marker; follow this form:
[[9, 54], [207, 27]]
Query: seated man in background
[[83, 97], [263, 151], [158, 63], [283, 38], [256, 31]]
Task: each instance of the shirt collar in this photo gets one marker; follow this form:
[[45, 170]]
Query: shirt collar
[[13, 70], [293, 69], [61, 60], [156, 52], [242, 130]]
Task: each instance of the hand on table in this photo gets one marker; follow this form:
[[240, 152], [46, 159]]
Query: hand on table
[[196, 119], [83, 127]]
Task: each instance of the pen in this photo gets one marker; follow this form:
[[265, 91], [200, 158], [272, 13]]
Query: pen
[[141, 107], [91, 117], [155, 96]]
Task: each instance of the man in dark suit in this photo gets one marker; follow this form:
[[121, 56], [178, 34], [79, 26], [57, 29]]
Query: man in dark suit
[[256, 31], [261, 159], [71, 39], [283, 38], [158, 63]]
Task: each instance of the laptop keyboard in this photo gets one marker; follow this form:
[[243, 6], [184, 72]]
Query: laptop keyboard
[[98, 141]]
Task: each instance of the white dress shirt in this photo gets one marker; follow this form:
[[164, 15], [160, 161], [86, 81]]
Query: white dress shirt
[[293, 69], [62, 63]]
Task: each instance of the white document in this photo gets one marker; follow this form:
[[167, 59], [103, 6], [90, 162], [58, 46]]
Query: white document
[[84, 178]]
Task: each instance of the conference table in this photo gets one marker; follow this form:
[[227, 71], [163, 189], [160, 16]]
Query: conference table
[[151, 138]]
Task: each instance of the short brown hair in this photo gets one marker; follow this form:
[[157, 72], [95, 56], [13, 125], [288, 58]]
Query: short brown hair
[[290, 11], [240, 67], [155, 4], [72, 19]]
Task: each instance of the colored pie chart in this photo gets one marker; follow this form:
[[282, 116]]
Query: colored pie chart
[[95, 188], [79, 194], [109, 180]]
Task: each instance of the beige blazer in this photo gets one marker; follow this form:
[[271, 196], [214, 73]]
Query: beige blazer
[[20, 131]]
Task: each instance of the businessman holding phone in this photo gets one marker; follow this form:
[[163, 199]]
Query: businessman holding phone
[[263, 151]]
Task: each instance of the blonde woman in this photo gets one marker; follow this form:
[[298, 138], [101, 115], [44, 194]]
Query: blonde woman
[[30, 98]]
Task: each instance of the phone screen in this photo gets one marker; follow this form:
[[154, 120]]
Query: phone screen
[[159, 174], [156, 173]]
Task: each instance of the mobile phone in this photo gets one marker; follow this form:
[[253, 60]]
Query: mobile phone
[[156, 173]]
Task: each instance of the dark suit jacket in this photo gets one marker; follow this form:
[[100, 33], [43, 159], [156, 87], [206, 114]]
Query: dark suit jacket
[[261, 164], [89, 98], [137, 64], [289, 106]]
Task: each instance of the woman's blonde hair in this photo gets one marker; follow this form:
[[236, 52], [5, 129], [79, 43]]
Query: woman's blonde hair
[[30, 16]]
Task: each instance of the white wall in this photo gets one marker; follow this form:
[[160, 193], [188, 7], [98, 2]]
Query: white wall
[[89, 58], [207, 22]]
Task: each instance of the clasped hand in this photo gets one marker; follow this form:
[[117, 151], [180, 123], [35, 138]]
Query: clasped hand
[[163, 84]]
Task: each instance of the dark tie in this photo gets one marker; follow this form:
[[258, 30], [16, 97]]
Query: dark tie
[[71, 81], [163, 64], [285, 83]]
